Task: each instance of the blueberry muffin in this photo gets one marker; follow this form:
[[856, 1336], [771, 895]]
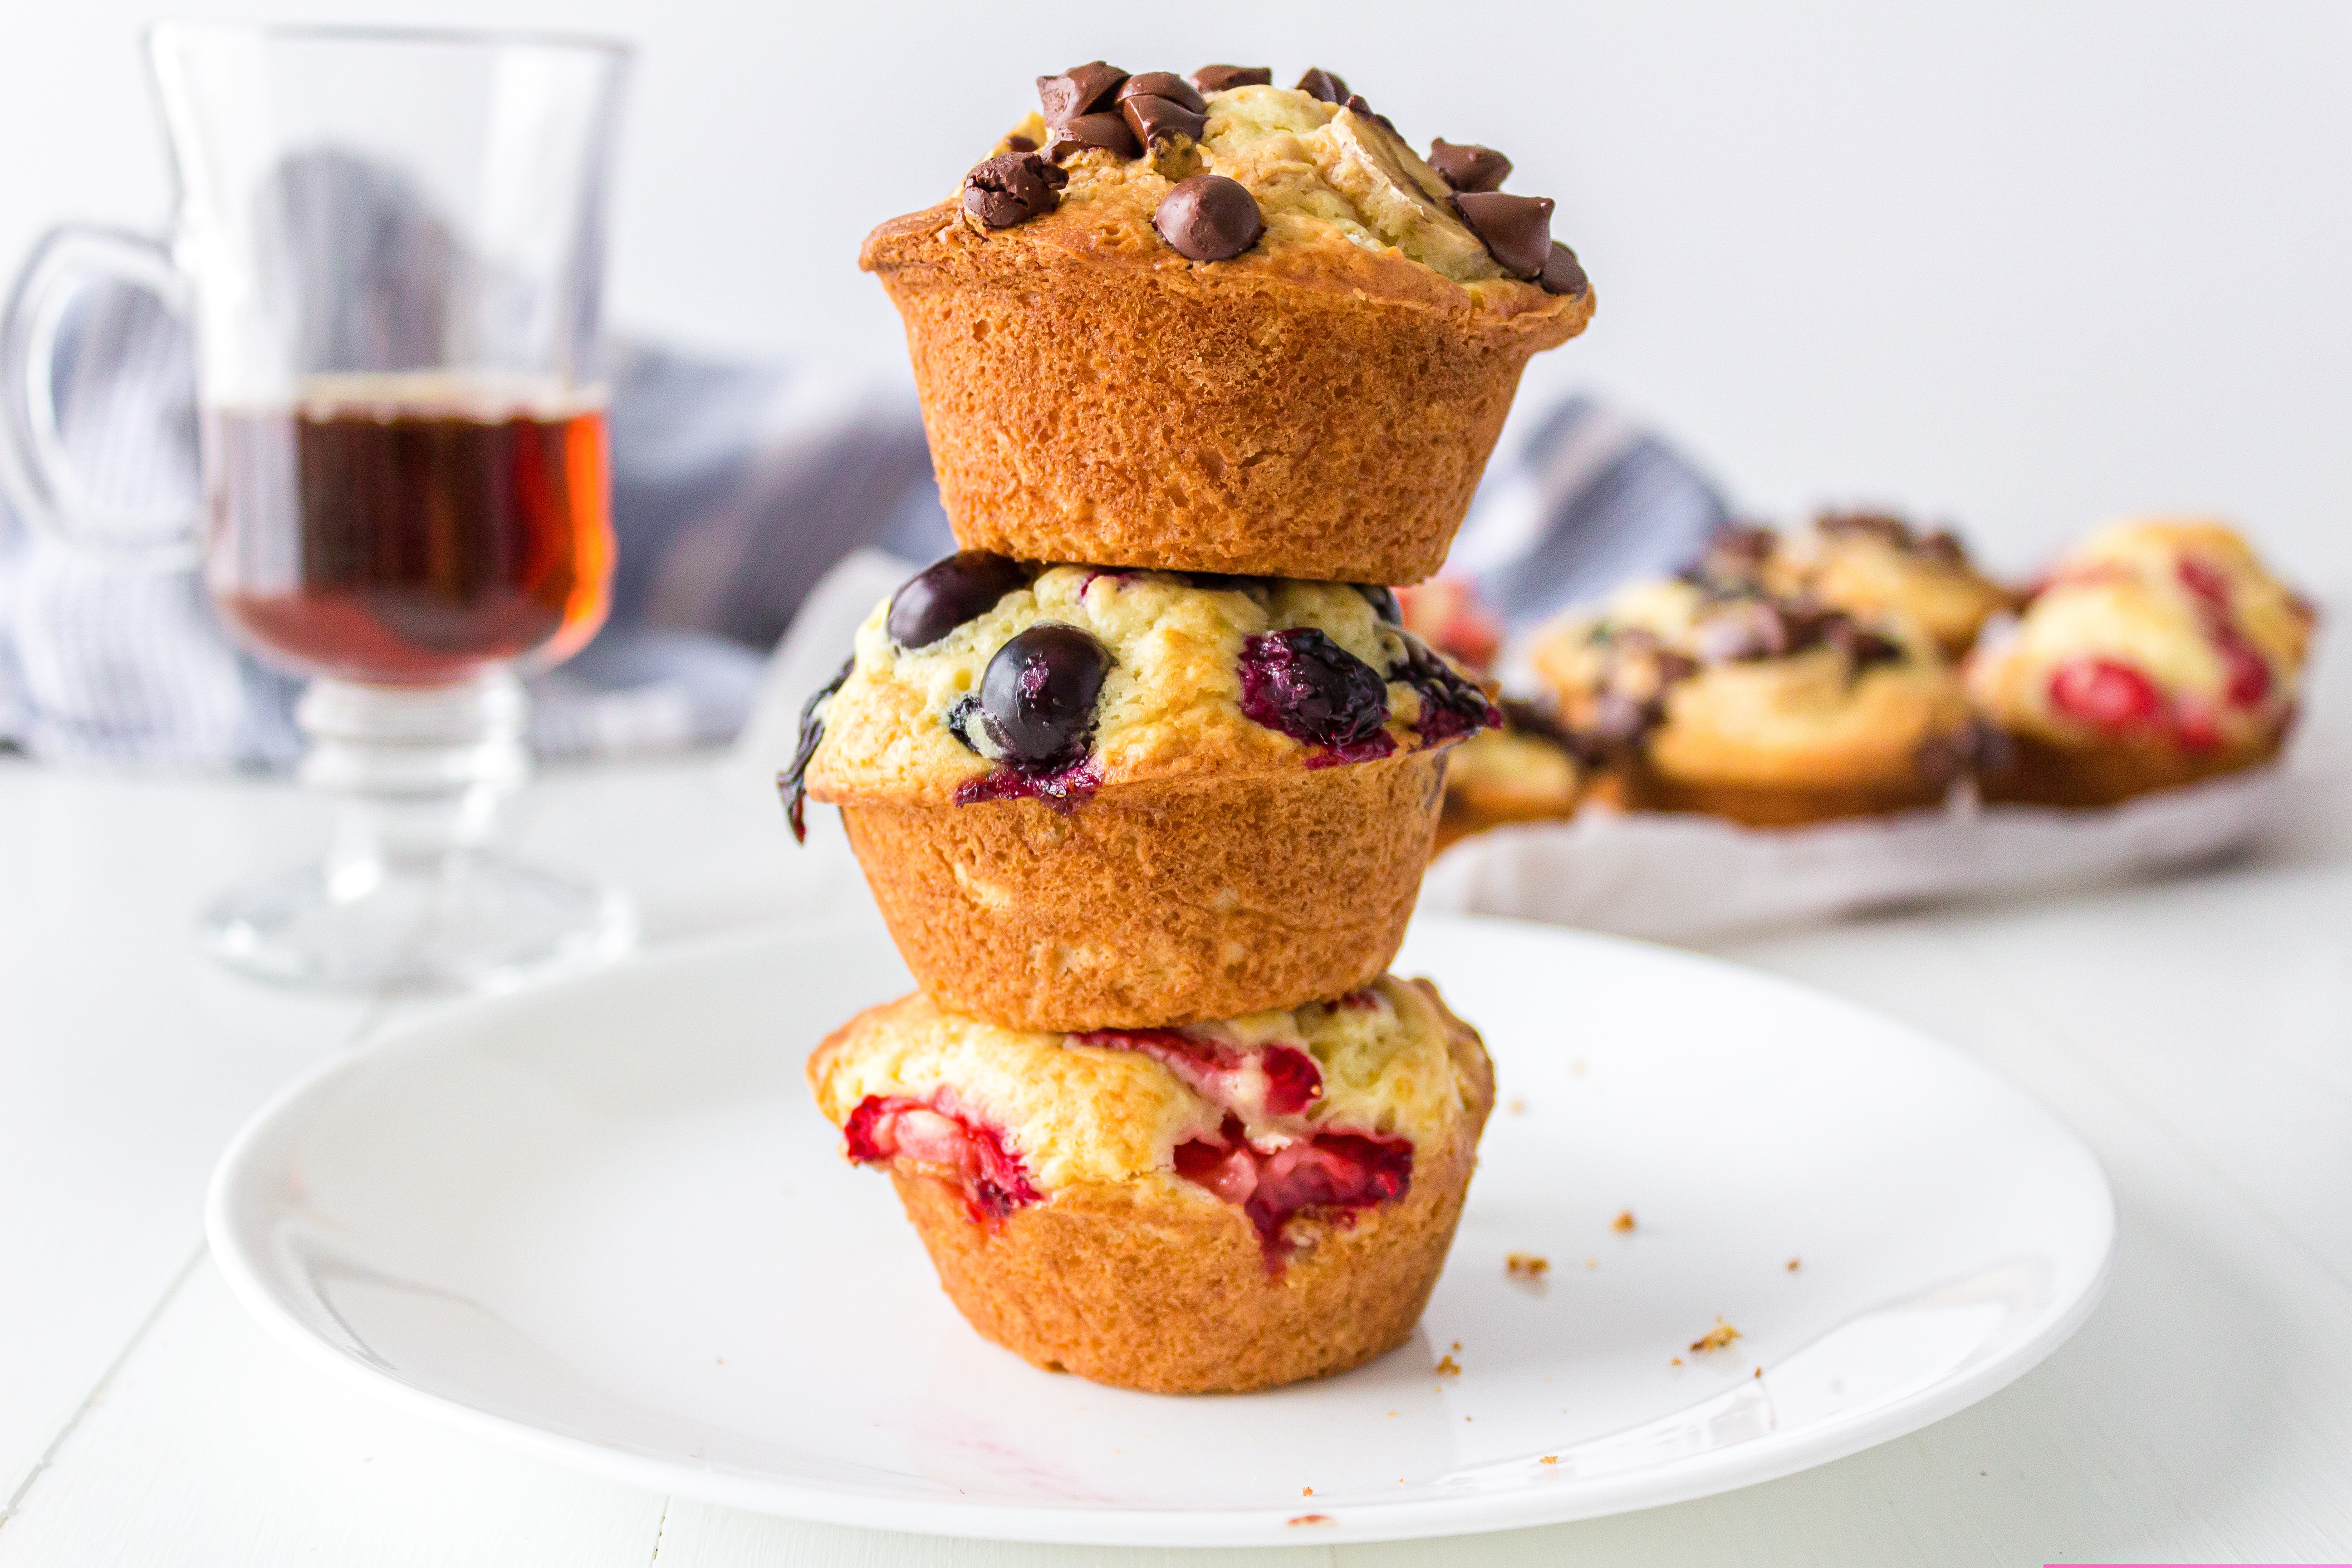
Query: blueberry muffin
[[1718, 696], [1869, 564], [1225, 1206], [1090, 798], [1214, 324], [2157, 653]]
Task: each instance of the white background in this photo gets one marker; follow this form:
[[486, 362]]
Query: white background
[[2019, 264]]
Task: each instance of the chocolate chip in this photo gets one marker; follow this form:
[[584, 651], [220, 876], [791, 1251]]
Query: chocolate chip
[[1356, 105], [1162, 84], [1105, 130], [1218, 79], [1012, 187], [1562, 273], [1081, 90], [1751, 630], [1327, 86], [1020, 144], [1157, 119], [1618, 720], [1516, 230], [1884, 527], [1944, 548], [1209, 218], [1467, 166]]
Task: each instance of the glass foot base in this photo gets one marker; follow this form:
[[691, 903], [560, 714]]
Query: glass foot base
[[459, 921]]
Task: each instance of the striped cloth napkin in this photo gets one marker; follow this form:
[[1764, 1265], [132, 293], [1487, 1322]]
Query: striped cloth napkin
[[735, 488]]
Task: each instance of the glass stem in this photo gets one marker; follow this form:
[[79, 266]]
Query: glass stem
[[419, 771]]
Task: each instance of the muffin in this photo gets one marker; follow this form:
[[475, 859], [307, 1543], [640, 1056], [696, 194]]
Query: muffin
[[1530, 769], [1720, 697], [1220, 325], [2157, 653], [1090, 798], [1869, 564], [1221, 1207]]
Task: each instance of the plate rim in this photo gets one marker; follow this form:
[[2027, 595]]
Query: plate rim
[[1706, 1474]]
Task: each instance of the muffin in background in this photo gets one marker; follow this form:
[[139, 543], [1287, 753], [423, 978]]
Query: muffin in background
[[1227, 1206], [1718, 696], [1527, 769], [2157, 653], [1868, 563]]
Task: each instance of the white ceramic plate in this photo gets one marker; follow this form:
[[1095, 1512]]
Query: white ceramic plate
[[601, 1222]]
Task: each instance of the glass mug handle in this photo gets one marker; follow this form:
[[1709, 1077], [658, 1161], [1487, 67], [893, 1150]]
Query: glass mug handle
[[39, 476]]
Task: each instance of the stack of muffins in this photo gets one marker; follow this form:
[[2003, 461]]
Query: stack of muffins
[[1145, 777]]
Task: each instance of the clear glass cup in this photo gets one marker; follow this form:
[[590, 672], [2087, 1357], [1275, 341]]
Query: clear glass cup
[[389, 246]]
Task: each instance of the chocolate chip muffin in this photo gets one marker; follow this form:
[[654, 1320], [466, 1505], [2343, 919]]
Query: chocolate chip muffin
[[1090, 798], [2157, 653], [1214, 324], [1530, 769], [1869, 564], [1220, 1208], [1716, 696]]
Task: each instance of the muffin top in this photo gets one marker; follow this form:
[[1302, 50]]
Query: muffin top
[[1388, 1062], [1724, 679], [1870, 563], [984, 680], [2153, 628], [1225, 170]]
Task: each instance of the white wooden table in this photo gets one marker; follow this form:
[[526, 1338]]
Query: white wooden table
[[2197, 1032]]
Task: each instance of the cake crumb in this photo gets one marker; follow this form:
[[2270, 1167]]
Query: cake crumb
[[1677, 1362], [1457, 1344], [1311, 1518], [1759, 1371], [1306, 1491], [1447, 1367], [1592, 1263], [1517, 1106], [1716, 1338], [1793, 1264], [1624, 1223], [1525, 1266], [1548, 1459]]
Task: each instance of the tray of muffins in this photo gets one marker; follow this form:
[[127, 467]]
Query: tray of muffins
[[1145, 777], [1851, 714]]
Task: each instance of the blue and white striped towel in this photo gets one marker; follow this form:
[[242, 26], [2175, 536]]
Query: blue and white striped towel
[[735, 488]]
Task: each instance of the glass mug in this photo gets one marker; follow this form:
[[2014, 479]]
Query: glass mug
[[389, 248]]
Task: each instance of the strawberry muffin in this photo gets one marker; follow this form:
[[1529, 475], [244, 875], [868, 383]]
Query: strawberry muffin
[[1718, 696], [2157, 653], [1212, 323], [1090, 798], [1222, 1206]]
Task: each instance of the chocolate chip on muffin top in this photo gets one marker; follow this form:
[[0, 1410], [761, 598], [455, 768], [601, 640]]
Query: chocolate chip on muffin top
[[1307, 161]]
